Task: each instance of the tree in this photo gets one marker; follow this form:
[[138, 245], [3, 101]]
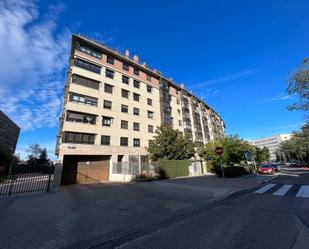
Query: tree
[[262, 155], [170, 144], [36, 154], [299, 84]]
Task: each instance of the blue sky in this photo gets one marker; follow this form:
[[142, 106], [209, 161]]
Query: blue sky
[[236, 55]]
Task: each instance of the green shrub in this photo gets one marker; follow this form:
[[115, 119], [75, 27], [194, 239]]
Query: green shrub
[[230, 172], [211, 166], [173, 168]]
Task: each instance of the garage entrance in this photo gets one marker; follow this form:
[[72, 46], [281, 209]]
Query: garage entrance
[[85, 169]]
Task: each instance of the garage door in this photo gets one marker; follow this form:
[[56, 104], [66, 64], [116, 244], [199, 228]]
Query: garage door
[[92, 171]]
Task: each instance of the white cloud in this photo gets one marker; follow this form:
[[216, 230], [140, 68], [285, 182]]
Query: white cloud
[[33, 61], [278, 97]]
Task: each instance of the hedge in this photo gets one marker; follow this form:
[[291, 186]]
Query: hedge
[[173, 168], [230, 172]]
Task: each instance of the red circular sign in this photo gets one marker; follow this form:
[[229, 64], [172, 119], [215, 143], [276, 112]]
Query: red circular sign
[[219, 151]]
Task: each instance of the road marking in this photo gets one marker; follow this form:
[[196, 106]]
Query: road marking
[[303, 192], [265, 188], [282, 191]]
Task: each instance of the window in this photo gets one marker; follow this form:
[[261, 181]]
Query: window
[[109, 73], [124, 124], [83, 81], [136, 71], [149, 143], [150, 128], [107, 104], [136, 142], [110, 60], [78, 138], [124, 108], [178, 101], [108, 88], [149, 101], [180, 122], [136, 126], [136, 83], [178, 110], [86, 65], [83, 99], [136, 111], [89, 51], [105, 140], [123, 141], [149, 89], [177, 91], [125, 79], [81, 117], [136, 97], [150, 114], [125, 66], [124, 93], [148, 77], [106, 121]]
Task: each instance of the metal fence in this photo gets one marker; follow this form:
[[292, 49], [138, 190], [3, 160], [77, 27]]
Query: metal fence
[[22, 179]]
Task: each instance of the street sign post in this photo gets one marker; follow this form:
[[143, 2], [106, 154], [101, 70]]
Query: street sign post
[[219, 151]]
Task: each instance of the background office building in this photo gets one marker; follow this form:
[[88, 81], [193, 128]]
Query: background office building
[[272, 143], [9, 132], [112, 106]]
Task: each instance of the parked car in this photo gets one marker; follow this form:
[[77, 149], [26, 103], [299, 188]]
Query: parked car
[[276, 166], [300, 164], [266, 169]]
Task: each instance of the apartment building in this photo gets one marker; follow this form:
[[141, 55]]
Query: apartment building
[[112, 106], [272, 143], [9, 132]]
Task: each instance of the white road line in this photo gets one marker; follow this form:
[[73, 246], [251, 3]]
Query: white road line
[[265, 188], [282, 191], [303, 192]]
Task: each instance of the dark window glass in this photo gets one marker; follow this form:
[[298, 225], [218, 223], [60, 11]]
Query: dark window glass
[[124, 108], [124, 124], [109, 73], [136, 97], [75, 97], [78, 138], [149, 89], [150, 128], [81, 117], [125, 66], [178, 101], [108, 88], [149, 101], [86, 65], [125, 79], [178, 110], [124, 93], [110, 60], [136, 111], [179, 122], [136, 71], [150, 114], [107, 104], [105, 140], [148, 77], [136, 83], [83, 81], [106, 121], [136, 142], [136, 126], [89, 51], [123, 141]]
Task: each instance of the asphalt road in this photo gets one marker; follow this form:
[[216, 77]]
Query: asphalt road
[[275, 215]]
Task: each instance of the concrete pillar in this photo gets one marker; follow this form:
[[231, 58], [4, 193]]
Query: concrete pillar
[[57, 177]]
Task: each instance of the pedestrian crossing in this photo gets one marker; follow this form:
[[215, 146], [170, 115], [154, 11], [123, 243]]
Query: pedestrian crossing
[[296, 190]]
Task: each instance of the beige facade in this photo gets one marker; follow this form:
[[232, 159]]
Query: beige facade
[[113, 104]]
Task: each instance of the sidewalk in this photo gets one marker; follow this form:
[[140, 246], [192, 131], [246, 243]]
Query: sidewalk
[[80, 213]]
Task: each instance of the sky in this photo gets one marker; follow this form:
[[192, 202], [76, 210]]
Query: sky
[[235, 55]]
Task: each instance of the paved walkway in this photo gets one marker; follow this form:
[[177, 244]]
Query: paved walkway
[[82, 215]]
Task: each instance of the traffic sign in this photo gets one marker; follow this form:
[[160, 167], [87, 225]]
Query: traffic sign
[[219, 151]]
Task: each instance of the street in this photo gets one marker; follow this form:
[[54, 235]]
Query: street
[[275, 215]]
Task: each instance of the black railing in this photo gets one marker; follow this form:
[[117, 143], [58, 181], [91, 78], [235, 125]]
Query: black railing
[[26, 179]]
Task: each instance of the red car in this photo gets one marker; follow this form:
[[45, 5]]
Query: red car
[[267, 169]]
